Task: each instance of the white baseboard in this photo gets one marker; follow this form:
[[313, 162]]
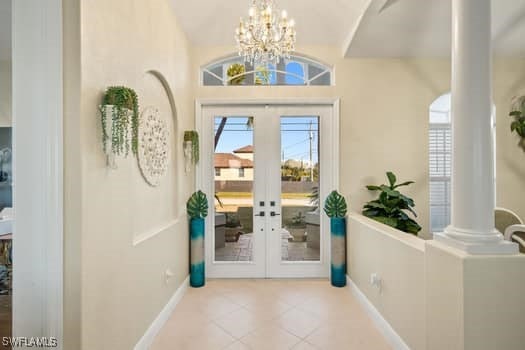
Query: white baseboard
[[157, 324], [384, 327]]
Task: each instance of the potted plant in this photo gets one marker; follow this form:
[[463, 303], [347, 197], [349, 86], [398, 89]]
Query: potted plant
[[197, 208], [120, 119], [297, 227], [233, 227], [335, 207], [390, 207], [518, 125], [191, 148]]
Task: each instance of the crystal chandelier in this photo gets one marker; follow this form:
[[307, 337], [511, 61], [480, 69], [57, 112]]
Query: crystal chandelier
[[266, 35]]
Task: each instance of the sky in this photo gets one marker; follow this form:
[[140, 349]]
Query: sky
[[294, 136]]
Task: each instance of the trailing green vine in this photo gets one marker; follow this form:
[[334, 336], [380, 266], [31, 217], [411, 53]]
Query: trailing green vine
[[122, 139], [193, 137]]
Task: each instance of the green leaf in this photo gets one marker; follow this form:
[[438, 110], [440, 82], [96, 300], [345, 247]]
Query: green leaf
[[391, 178], [373, 188], [197, 205], [404, 184], [335, 205], [387, 221], [515, 114]]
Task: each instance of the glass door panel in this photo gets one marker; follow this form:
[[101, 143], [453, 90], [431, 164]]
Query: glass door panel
[[300, 217], [233, 164]]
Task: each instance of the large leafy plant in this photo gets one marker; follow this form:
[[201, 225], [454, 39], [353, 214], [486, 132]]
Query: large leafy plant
[[124, 100], [391, 206], [518, 125], [335, 205], [197, 205]]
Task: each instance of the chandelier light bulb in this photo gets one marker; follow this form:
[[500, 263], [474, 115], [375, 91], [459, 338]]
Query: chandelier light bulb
[[284, 14]]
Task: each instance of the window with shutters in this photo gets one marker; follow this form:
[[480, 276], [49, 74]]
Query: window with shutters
[[440, 161]]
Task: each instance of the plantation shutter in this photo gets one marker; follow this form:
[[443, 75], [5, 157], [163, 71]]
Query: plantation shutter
[[440, 158]]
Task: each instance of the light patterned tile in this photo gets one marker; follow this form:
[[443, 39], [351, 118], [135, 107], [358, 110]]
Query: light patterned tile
[[238, 345], [210, 337], [305, 346], [216, 306], [298, 323], [271, 337], [240, 322], [269, 314]]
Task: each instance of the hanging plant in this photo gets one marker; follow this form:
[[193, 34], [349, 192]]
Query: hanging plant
[[518, 113], [197, 205], [120, 120], [236, 74], [191, 147]]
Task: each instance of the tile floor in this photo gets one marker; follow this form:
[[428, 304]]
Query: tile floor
[[269, 315], [242, 250]]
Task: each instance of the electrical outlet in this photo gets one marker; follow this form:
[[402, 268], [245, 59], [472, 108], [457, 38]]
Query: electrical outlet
[[376, 281], [168, 274]]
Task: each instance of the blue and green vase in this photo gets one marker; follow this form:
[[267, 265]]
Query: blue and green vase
[[338, 251], [197, 277]]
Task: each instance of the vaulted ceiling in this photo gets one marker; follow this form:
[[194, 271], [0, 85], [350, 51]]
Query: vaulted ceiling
[[360, 28]]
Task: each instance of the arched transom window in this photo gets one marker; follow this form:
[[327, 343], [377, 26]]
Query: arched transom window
[[296, 71]]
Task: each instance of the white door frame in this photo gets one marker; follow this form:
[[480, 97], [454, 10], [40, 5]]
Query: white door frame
[[202, 170], [37, 169]]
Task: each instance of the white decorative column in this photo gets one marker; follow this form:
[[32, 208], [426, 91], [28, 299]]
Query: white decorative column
[[472, 228]]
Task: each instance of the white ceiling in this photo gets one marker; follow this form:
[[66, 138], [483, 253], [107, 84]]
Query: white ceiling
[[422, 28], [361, 28], [5, 30], [213, 22]]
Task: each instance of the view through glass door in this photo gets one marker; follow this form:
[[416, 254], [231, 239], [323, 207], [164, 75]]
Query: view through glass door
[[266, 174]]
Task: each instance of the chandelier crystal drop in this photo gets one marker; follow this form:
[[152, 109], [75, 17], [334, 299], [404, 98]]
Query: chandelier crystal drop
[[267, 35]]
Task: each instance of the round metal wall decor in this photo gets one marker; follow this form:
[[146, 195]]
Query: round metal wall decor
[[154, 146]]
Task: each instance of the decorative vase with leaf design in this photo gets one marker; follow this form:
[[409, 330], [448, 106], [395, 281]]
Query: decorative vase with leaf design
[[335, 207], [197, 208]]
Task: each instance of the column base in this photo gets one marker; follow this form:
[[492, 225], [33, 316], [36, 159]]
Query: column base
[[481, 247]]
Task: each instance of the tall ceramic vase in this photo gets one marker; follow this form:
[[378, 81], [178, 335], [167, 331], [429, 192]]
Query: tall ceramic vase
[[197, 277], [338, 250]]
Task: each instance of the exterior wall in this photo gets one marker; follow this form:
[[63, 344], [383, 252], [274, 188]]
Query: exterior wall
[[118, 282], [384, 120], [232, 174], [248, 156]]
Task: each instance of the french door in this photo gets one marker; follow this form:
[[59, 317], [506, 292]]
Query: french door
[[266, 170]]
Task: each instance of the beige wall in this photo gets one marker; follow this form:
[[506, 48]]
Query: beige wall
[[384, 120], [5, 93], [477, 301], [397, 258], [121, 287], [436, 297]]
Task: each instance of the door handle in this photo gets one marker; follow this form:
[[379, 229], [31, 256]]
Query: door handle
[[272, 213], [261, 213]]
